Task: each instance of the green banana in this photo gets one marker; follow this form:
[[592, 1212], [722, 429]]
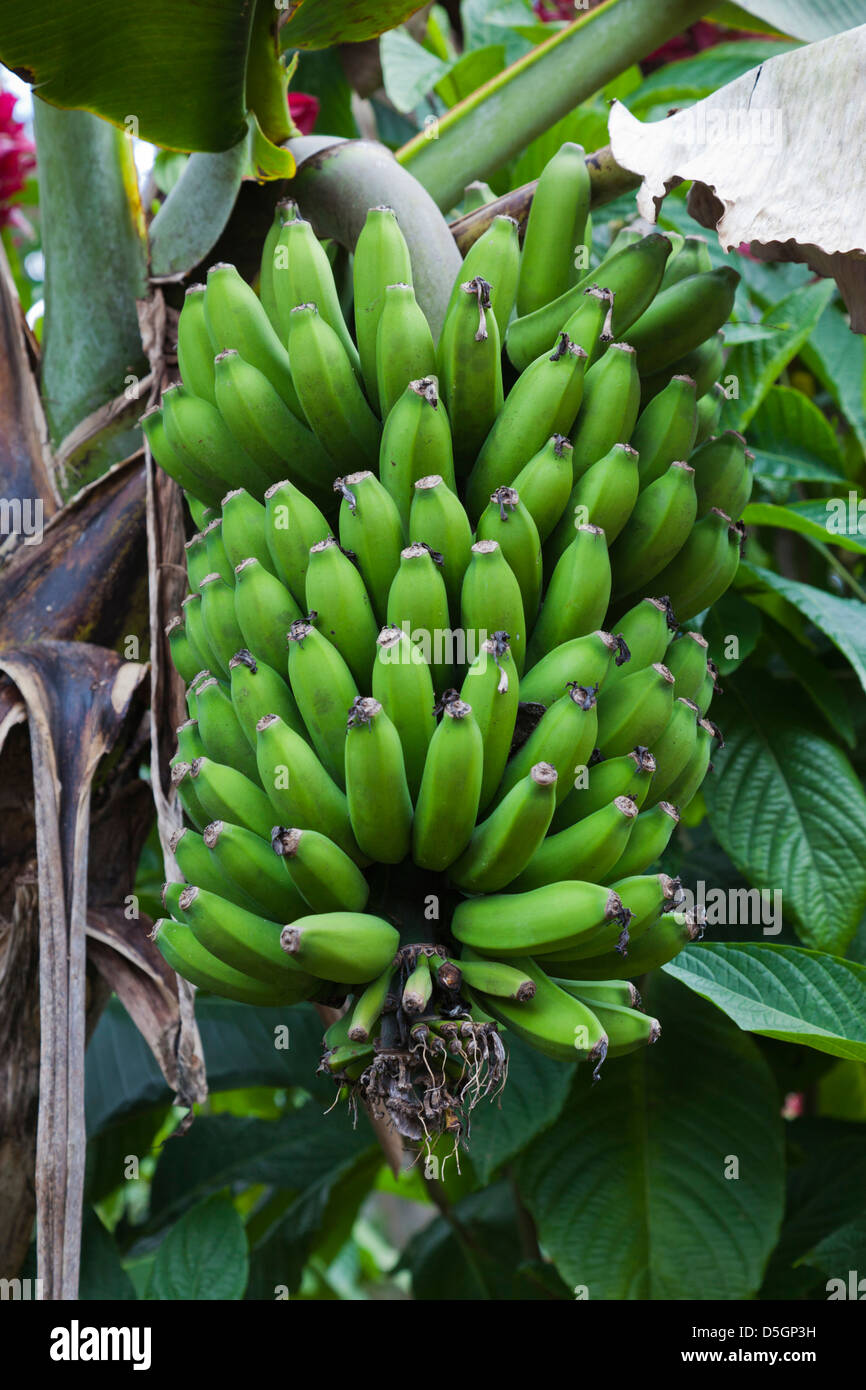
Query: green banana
[[370, 1006], [709, 688], [418, 598], [178, 946], [627, 1029], [195, 556], [664, 940], [682, 317], [666, 428], [265, 612], [659, 526], [270, 435], [284, 212], [371, 530], [603, 496], [469, 361], [674, 747], [293, 525], [450, 789], [185, 655], [693, 258], [198, 482], [554, 917], [332, 401], [217, 555], [256, 690], [552, 1021], [594, 992], [503, 844], [226, 794], [590, 324], [221, 733], [723, 478], [635, 711], [544, 400], [325, 690], [645, 629], [199, 436], [564, 736], [684, 787], [592, 846], [380, 806], [418, 988], [577, 596], [544, 484], [221, 627], [554, 229], [416, 441], [631, 272], [495, 977], [298, 788], [649, 839], [244, 940], [686, 659], [324, 875], [189, 744], [335, 592], [647, 896], [194, 352], [404, 687], [586, 660], [404, 345], [495, 256], [249, 865], [381, 259], [709, 412], [704, 567], [236, 318], [630, 775], [609, 410], [437, 519], [491, 601], [243, 530], [507, 521], [348, 947], [198, 866], [302, 275], [703, 364], [492, 687]]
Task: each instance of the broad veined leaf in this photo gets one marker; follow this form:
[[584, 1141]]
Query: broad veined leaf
[[817, 680], [806, 20], [470, 72], [814, 520], [533, 1097], [842, 619], [789, 423], [204, 1256], [633, 1190], [789, 810], [409, 71], [691, 79], [775, 467], [757, 364], [838, 1253], [321, 23], [825, 1183], [838, 359], [783, 992]]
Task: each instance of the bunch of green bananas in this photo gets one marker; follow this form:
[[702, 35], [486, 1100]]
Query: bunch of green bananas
[[438, 733]]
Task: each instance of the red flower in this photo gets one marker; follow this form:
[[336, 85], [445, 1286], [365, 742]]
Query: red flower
[[303, 110], [16, 160]]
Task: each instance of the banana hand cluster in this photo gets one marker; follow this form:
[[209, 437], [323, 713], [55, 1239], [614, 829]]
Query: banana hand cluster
[[443, 716]]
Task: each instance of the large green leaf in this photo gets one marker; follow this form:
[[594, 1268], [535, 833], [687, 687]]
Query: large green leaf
[[321, 23], [102, 1275], [291, 1153], [842, 1250], [241, 1047], [783, 992], [409, 71], [171, 71], [788, 808], [817, 679], [95, 267], [756, 365], [204, 1256], [480, 134], [842, 619], [533, 1097], [804, 18], [790, 425], [808, 519], [838, 359], [633, 1191], [692, 79], [825, 1183], [473, 1256]]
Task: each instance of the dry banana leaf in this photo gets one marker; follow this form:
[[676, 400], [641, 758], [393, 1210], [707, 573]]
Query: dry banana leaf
[[775, 160]]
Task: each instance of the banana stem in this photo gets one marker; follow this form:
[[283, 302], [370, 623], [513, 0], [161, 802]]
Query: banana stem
[[607, 181], [478, 135]]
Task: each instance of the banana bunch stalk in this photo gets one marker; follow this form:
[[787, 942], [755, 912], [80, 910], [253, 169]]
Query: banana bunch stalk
[[444, 716]]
